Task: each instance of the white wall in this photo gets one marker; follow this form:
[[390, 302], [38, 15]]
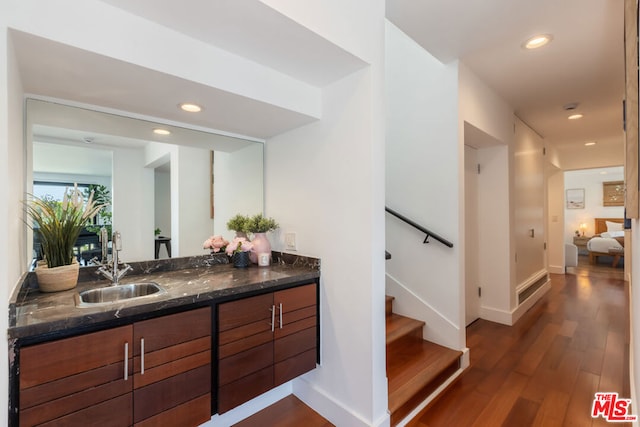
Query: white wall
[[13, 258], [240, 172], [314, 190], [591, 180], [486, 122], [423, 183], [194, 223], [325, 182], [132, 197], [162, 205]]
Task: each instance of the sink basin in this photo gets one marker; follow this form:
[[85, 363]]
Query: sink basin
[[119, 293]]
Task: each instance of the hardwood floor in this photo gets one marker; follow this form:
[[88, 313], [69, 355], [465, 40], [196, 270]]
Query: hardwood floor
[[544, 370]]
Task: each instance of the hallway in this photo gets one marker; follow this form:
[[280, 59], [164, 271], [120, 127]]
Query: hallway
[[545, 370]]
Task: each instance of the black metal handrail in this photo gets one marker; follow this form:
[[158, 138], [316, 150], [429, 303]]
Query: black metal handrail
[[421, 228]]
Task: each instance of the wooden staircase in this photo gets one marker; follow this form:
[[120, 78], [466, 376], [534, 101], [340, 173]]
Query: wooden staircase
[[415, 367]]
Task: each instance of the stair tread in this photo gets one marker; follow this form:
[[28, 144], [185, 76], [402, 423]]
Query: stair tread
[[412, 365], [398, 326]]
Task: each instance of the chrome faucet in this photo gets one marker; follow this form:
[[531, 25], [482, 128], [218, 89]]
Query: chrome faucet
[[112, 270], [104, 241]]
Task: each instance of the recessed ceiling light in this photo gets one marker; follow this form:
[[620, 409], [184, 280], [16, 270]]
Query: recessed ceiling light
[[191, 108], [575, 116], [160, 131], [537, 41], [589, 144]]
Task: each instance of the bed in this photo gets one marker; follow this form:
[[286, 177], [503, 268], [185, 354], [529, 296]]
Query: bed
[[608, 240]]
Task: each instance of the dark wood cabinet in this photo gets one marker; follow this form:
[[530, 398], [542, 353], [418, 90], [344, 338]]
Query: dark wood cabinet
[[152, 372], [265, 341], [172, 369], [78, 381]]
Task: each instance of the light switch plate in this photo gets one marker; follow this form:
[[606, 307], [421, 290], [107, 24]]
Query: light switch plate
[[290, 241]]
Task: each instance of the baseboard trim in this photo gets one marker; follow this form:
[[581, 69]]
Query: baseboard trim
[[556, 269], [511, 317], [331, 409]]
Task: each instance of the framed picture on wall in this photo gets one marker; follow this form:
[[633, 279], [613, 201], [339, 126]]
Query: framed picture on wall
[[575, 198], [613, 193]]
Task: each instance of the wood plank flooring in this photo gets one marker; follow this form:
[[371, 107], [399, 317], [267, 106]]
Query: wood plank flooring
[[545, 370]]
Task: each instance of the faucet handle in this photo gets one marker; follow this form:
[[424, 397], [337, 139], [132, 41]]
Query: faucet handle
[[117, 241]]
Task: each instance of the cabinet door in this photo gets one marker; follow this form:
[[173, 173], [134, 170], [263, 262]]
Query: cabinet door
[[172, 369], [78, 381], [245, 350], [295, 346]]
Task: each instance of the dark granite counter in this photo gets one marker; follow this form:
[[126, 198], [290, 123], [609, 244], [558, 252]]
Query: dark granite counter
[[187, 281]]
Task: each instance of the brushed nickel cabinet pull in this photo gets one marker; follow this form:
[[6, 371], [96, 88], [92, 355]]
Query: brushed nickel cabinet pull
[[141, 356], [273, 318], [126, 361], [281, 316]]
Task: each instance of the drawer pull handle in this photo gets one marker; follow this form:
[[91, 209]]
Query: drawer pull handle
[[126, 361], [141, 356], [281, 316], [273, 318]]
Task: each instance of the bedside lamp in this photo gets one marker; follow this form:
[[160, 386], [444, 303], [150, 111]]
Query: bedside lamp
[[583, 227]]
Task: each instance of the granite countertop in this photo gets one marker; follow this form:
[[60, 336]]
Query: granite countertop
[[186, 281]]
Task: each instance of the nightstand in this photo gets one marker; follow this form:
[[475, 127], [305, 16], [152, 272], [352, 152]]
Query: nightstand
[[581, 243]]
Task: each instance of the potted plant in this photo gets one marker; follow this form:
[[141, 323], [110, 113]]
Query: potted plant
[[238, 250], [259, 225], [238, 223], [58, 225]]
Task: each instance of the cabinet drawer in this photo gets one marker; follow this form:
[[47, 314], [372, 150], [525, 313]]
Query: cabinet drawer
[[112, 413], [63, 358], [244, 344], [173, 329], [294, 366], [174, 391], [243, 364], [241, 312], [294, 344], [244, 389], [296, 298]]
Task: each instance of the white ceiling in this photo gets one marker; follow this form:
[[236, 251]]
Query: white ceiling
[[583, 64]]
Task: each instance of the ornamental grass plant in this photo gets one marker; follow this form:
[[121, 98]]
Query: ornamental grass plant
[[58, 224]]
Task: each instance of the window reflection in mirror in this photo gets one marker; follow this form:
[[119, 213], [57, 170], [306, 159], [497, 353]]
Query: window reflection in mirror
[[160, 185]]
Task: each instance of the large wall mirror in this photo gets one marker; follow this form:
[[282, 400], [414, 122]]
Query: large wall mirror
[[186, 183]]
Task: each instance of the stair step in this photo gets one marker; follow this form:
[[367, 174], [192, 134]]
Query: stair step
[[415, 368], [388, 304], [400, 326]]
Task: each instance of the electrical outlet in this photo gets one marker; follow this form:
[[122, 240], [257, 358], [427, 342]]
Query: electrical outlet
[[290, 241]]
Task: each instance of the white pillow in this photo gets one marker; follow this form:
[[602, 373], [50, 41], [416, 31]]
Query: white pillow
[[612, 234], [606, 235], [614, 226]]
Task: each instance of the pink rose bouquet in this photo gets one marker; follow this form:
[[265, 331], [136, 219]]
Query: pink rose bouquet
[[239, 244], [216, 243]]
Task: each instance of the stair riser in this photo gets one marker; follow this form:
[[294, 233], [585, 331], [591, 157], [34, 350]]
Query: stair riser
[[404, 410]]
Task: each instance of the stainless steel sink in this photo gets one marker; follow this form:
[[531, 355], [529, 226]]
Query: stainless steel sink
[[118, 293]]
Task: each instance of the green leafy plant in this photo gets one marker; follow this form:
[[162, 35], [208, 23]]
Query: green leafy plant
[[157, 232], [260, 224], [102, 197], [58, 224], [238, 223]]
